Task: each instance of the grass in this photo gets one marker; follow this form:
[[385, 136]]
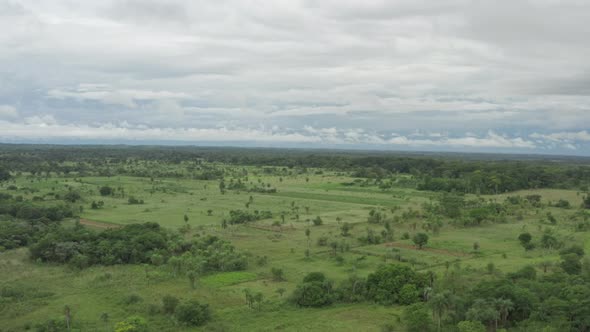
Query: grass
[[98, 290]]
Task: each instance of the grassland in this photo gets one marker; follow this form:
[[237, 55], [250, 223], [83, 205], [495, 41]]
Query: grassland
[[97, 290]]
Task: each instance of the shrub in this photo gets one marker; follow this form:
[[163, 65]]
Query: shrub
[[132, 299], [314, 291], [106, 191], [317, 221], [193, 313], [132, 324], [386, 283]]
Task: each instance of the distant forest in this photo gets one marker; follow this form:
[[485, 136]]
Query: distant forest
[[461, 173]]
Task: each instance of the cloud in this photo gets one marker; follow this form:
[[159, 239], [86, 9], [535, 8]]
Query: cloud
[[8, 111], [106, 95], [583, 136], [366, 69]]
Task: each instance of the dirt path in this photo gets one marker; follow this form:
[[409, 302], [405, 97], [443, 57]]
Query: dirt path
[[97, 224], [277, 229], [437, 251]]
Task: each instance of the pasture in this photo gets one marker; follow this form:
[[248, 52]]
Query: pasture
[[100, 296]]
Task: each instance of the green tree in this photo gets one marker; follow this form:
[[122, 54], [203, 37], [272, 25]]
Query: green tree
[[420, 239], [192, 277], [277, 274], [106, 191], [385, 284], [525, 240], [317, 221], [345, 229], [314, 291], [193, 313], [571, 263], [485, 312], [440, 303], [471, 326], [4, 175], [417, 318], [408, 294]]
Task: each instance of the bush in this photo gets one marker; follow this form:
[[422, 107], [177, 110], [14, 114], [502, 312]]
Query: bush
[[193, 313], [317, 221], [417, 318], [420, 240], [106, 191], [386, 283], [72, 196], [314, 291], [132, 299], [132, 324], [277, 274], [471, 326], [133, 201]]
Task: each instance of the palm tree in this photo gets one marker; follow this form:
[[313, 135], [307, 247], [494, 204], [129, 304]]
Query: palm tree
[[441, 302], [503, 306]]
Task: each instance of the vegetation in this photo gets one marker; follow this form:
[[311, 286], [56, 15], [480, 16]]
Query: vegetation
[[148, 238]]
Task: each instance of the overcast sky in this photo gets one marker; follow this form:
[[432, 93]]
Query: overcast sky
[[490, 76]]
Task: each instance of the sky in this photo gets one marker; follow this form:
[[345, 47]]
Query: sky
[[468, 76]]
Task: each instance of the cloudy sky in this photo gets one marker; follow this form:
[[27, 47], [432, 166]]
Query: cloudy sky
[[489, 76]]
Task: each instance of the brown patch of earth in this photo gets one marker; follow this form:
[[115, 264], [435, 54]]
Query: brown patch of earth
[[98, 224], [437, 251]]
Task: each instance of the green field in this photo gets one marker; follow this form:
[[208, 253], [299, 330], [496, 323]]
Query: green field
[[269, 243]]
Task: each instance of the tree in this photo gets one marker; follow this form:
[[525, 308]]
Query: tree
[[192, 276], [417, 319], [317, 221], [314, 291], [471, 326], [385, 284], [68, 316], [193, 313], [408, 294], [345, 229], [280, 291], [525, 241], [549, 241], [440, 303], [545, 265], [185, 218], [106, 191], [571, 259], [420, 239], [571, 263], [258, 298], [277, 274], [483, 311], [525, 238], [504, 306], [4, 175]]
